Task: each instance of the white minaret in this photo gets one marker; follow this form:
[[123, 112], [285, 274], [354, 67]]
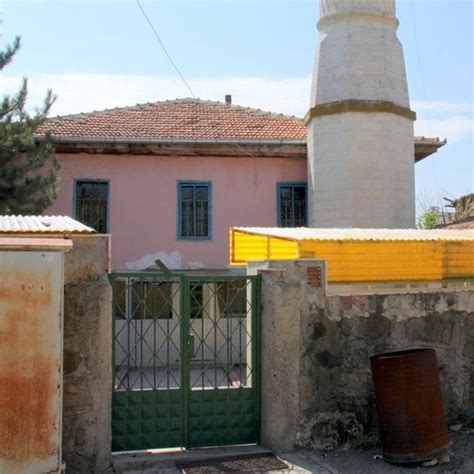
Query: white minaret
[[360, 126]]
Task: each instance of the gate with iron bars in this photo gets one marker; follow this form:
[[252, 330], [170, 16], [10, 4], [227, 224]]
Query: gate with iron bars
[[186, 360]]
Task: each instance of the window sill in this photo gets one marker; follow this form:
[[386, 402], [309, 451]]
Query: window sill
[[194, 239]]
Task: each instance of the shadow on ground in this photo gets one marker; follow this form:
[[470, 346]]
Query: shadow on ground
[[368, 461]]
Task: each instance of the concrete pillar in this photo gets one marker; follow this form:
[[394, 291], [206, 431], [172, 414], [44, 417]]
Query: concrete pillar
[[87, 399], [360, 126], [285, 330]]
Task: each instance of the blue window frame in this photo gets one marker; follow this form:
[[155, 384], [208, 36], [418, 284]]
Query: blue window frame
[[291, 204], [91, 203], [194, 210]]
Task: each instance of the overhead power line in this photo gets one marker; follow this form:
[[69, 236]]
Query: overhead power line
[[235, 144], [427, 109], [164, 49]]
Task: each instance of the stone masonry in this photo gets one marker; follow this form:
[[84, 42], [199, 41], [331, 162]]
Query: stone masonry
[[87, 397], [317, 385]]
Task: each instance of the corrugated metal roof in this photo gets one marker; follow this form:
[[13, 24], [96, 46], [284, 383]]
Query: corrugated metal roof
[[42, 225], [305, 233]]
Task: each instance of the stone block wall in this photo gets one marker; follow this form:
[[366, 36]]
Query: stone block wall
[[316, 348], [87, 366]]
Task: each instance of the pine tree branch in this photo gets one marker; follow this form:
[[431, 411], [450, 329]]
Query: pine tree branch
[[29, 169], [10, 105], [10, 51]]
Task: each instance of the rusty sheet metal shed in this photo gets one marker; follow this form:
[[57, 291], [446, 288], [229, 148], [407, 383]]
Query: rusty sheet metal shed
[[31, 332], [363, 255], [31, 312]]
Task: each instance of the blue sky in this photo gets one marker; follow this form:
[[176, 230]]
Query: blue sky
[[101, 54]]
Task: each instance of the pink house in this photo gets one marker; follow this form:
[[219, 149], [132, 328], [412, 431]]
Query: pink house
[[168, 179]]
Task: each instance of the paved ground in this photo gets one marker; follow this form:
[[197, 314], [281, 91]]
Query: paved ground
[[363, 462], [339, 461]]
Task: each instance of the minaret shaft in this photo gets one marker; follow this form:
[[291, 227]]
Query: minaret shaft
[[360, 127]]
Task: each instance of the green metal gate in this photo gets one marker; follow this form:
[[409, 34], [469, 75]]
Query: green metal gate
[[186, 360]]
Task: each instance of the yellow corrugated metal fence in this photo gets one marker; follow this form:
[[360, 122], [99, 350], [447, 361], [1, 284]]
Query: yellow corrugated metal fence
[[358, 260]]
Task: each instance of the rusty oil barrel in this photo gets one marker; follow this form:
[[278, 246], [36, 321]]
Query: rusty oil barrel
[[412, 420]]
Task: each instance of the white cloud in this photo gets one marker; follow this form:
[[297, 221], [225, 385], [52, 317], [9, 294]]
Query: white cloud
[[83, 93], [441, 107], [454, 128]]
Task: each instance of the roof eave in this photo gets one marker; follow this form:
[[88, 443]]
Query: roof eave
[[426, 147], [173, 140]]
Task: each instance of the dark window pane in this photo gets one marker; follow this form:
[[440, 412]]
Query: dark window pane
[[120, 309], [300, 193], [92, 204], [187, 218], [299, 206], [201, 218], [194, 208], [187, 193], [292, 210], [201, 193], [285, 193], [196, 301]]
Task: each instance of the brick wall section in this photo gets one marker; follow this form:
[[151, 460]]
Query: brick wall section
[[316, 351]]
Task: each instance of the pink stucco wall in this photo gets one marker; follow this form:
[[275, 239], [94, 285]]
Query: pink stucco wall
[[143, 202]]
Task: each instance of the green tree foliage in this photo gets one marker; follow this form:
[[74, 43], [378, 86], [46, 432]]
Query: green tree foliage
[[28, 167], [429, 219]]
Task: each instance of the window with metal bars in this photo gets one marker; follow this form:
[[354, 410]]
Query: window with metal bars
[[143, 300], [291, 204], [221, 299], [194, 210], [232, 299], [91, 204]]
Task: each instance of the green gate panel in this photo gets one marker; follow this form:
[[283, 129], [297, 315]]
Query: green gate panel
[[147, 419], [222, 417], [186, 360]]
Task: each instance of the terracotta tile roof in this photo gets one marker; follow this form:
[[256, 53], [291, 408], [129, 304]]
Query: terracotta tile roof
[[190, 120], [181, 118], [461, 225]]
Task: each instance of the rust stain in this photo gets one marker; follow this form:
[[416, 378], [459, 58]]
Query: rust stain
[[28, 367], [410, 406], [26, 302], [28, 287], [28, 419]]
